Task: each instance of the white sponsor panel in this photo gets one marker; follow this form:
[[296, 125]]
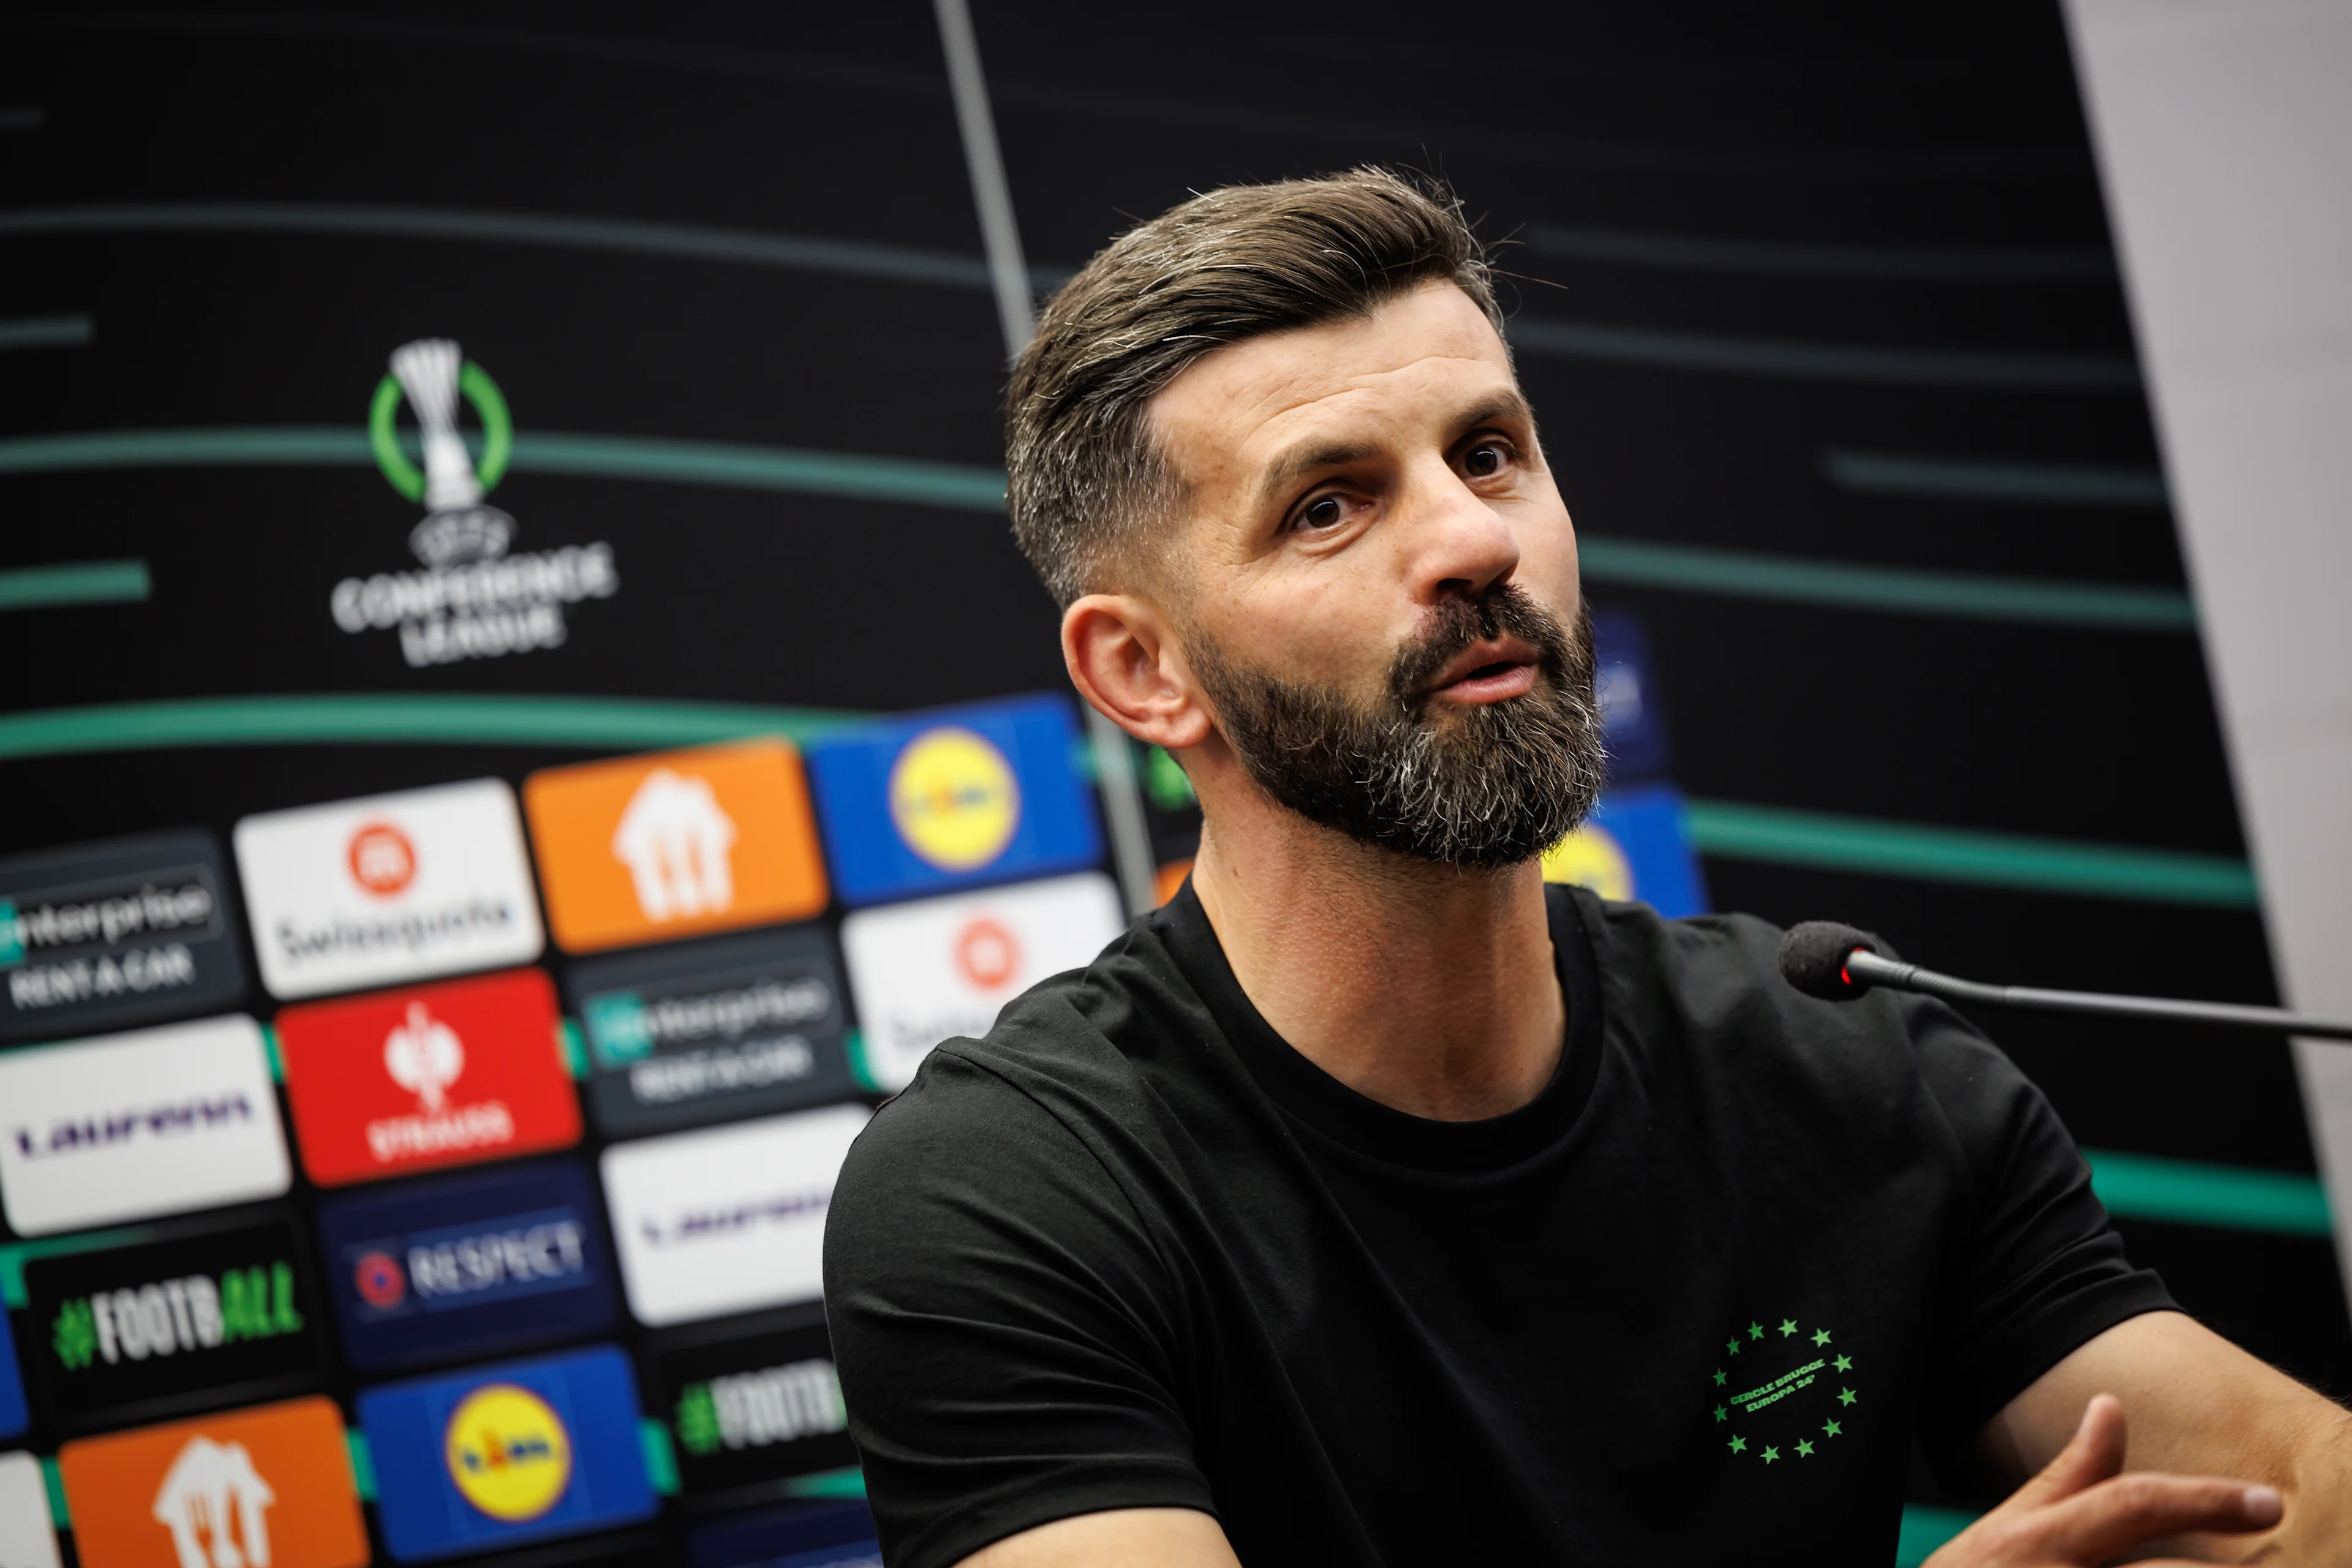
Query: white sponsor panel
[[358, 894], [155, 1122], [728, 1219], [25, 1539], [926, 971]]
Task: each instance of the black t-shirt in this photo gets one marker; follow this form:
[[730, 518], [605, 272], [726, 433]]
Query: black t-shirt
[[1689, 1305]]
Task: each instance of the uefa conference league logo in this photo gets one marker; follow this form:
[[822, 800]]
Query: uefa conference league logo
[[472, 599]]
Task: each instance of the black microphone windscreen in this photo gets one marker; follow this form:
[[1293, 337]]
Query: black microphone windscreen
[[1813, 955]]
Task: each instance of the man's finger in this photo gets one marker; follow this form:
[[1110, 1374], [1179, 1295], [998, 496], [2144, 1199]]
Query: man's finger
[[2095, 1453], [2123, 1511]]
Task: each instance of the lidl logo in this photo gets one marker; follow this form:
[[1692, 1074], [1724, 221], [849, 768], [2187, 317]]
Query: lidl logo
[[678, 844], [442, 1075], [501, 1455], [101, 935], [1634, 845], [954, 798], [139, 1331], [937, 968], [388, 889], [508, 1452], [468, 1266], [983, 793], [709, 1030], [266, 1487], [133, 1126]]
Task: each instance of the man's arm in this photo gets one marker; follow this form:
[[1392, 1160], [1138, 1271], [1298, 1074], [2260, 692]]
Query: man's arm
[[1125, 1538], [2132, 1436]]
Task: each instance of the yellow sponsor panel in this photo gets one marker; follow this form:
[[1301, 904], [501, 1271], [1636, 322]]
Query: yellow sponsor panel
[[954, 798], [1591, 857], [508, 1452]]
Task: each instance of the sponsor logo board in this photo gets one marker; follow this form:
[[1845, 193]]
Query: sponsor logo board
[[262, 1488], [389, 887], [438, 1074], [142, 1331], [497, 1456], [751, 1413], [468, 1266], [728, 1219], [978, 794], [103, 935], [712, 1030], [941, 968], [14, 1415], [475, 595], [25, 1539], [155, 1122], [802, 1535], [675, 843], [1634, 846]]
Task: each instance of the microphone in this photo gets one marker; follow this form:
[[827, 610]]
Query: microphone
[[1839, 963]]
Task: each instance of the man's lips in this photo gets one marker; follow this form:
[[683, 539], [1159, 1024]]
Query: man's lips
[[1491, 671]]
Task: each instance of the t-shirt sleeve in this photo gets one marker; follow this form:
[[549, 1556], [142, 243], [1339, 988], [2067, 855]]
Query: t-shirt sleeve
[[1006, 1332], [2037, 1269]]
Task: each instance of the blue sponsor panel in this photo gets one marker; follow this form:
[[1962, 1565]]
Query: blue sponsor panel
[[1633, 714], [1647, 823], [809, 1535], [466, 1267], [498, 1455], [954, 797], [13, 1416]]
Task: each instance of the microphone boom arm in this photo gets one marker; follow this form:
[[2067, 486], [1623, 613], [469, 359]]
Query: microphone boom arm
[[1867, 968]]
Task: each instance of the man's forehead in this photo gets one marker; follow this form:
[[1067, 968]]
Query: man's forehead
[[1413, 359]]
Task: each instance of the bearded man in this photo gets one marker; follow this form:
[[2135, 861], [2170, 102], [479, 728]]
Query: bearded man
[[1374, 1202]]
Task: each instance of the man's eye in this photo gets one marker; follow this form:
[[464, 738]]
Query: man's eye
[[1484, 461], [1323, 511]]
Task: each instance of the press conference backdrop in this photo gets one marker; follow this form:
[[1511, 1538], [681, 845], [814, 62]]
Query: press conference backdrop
[[526, 720]]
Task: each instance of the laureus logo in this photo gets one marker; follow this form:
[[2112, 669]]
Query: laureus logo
[[472, 598]]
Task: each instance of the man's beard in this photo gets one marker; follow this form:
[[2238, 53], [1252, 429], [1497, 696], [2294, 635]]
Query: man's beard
[[1484, 786]]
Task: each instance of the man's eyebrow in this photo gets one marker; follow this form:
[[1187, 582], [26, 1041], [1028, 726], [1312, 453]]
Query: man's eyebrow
[[1299, 461]]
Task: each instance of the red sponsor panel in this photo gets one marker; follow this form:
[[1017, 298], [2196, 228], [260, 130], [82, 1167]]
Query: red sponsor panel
[[428, 1076]]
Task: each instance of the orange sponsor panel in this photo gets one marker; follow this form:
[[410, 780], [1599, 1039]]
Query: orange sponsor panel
[[270, 1485], [675, 844]]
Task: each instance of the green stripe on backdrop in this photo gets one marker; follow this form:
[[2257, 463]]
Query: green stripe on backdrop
[[479, 719], [2228, 1197], [1890, 590], [14, 1255], [1687, 567], [1925, 1530], [1818, 839], [75, 583], [47, 332], [1867, 363], [1984, 479]]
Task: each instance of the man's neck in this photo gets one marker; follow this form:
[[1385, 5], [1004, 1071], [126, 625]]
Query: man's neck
[[1427, 988]]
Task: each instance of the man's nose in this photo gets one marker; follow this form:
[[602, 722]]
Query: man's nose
[[1460, 546]]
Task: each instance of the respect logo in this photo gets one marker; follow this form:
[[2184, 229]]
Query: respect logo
[[472, 599], [508, 1452]]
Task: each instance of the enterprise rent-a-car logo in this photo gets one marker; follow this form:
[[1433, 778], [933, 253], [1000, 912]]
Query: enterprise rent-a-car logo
[[105, 934]]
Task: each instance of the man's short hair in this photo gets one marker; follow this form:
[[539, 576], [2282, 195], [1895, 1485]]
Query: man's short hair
[[1091, 495]]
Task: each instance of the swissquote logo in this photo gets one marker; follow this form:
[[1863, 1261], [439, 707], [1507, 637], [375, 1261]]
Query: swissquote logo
[[471, 598], [728, 1219], [925, 972], [389, 887], [263, 1487], [155, 1122], [444, 1074]]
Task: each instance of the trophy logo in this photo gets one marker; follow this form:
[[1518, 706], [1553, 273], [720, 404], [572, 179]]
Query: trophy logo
[[472, 599], [431, 375]]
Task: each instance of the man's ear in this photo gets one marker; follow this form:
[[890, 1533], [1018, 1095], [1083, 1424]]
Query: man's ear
[[1123, 660]]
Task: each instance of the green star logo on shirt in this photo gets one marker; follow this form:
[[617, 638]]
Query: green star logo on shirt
[[1731, 1347], [1740, 1444], [1805, 1450], [1820, 1336], [1844, 1364], [1845, 1396], [1755, 1330], [1770, 1454], [1718, 1377], [1790, 1386], [1788, 1327], [1720, 1415], [1832, 1428]]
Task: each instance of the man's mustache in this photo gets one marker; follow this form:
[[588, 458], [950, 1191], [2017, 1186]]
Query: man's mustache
[[1504, 610]]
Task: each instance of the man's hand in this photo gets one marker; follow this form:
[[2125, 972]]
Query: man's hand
[[2082, 1510]]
